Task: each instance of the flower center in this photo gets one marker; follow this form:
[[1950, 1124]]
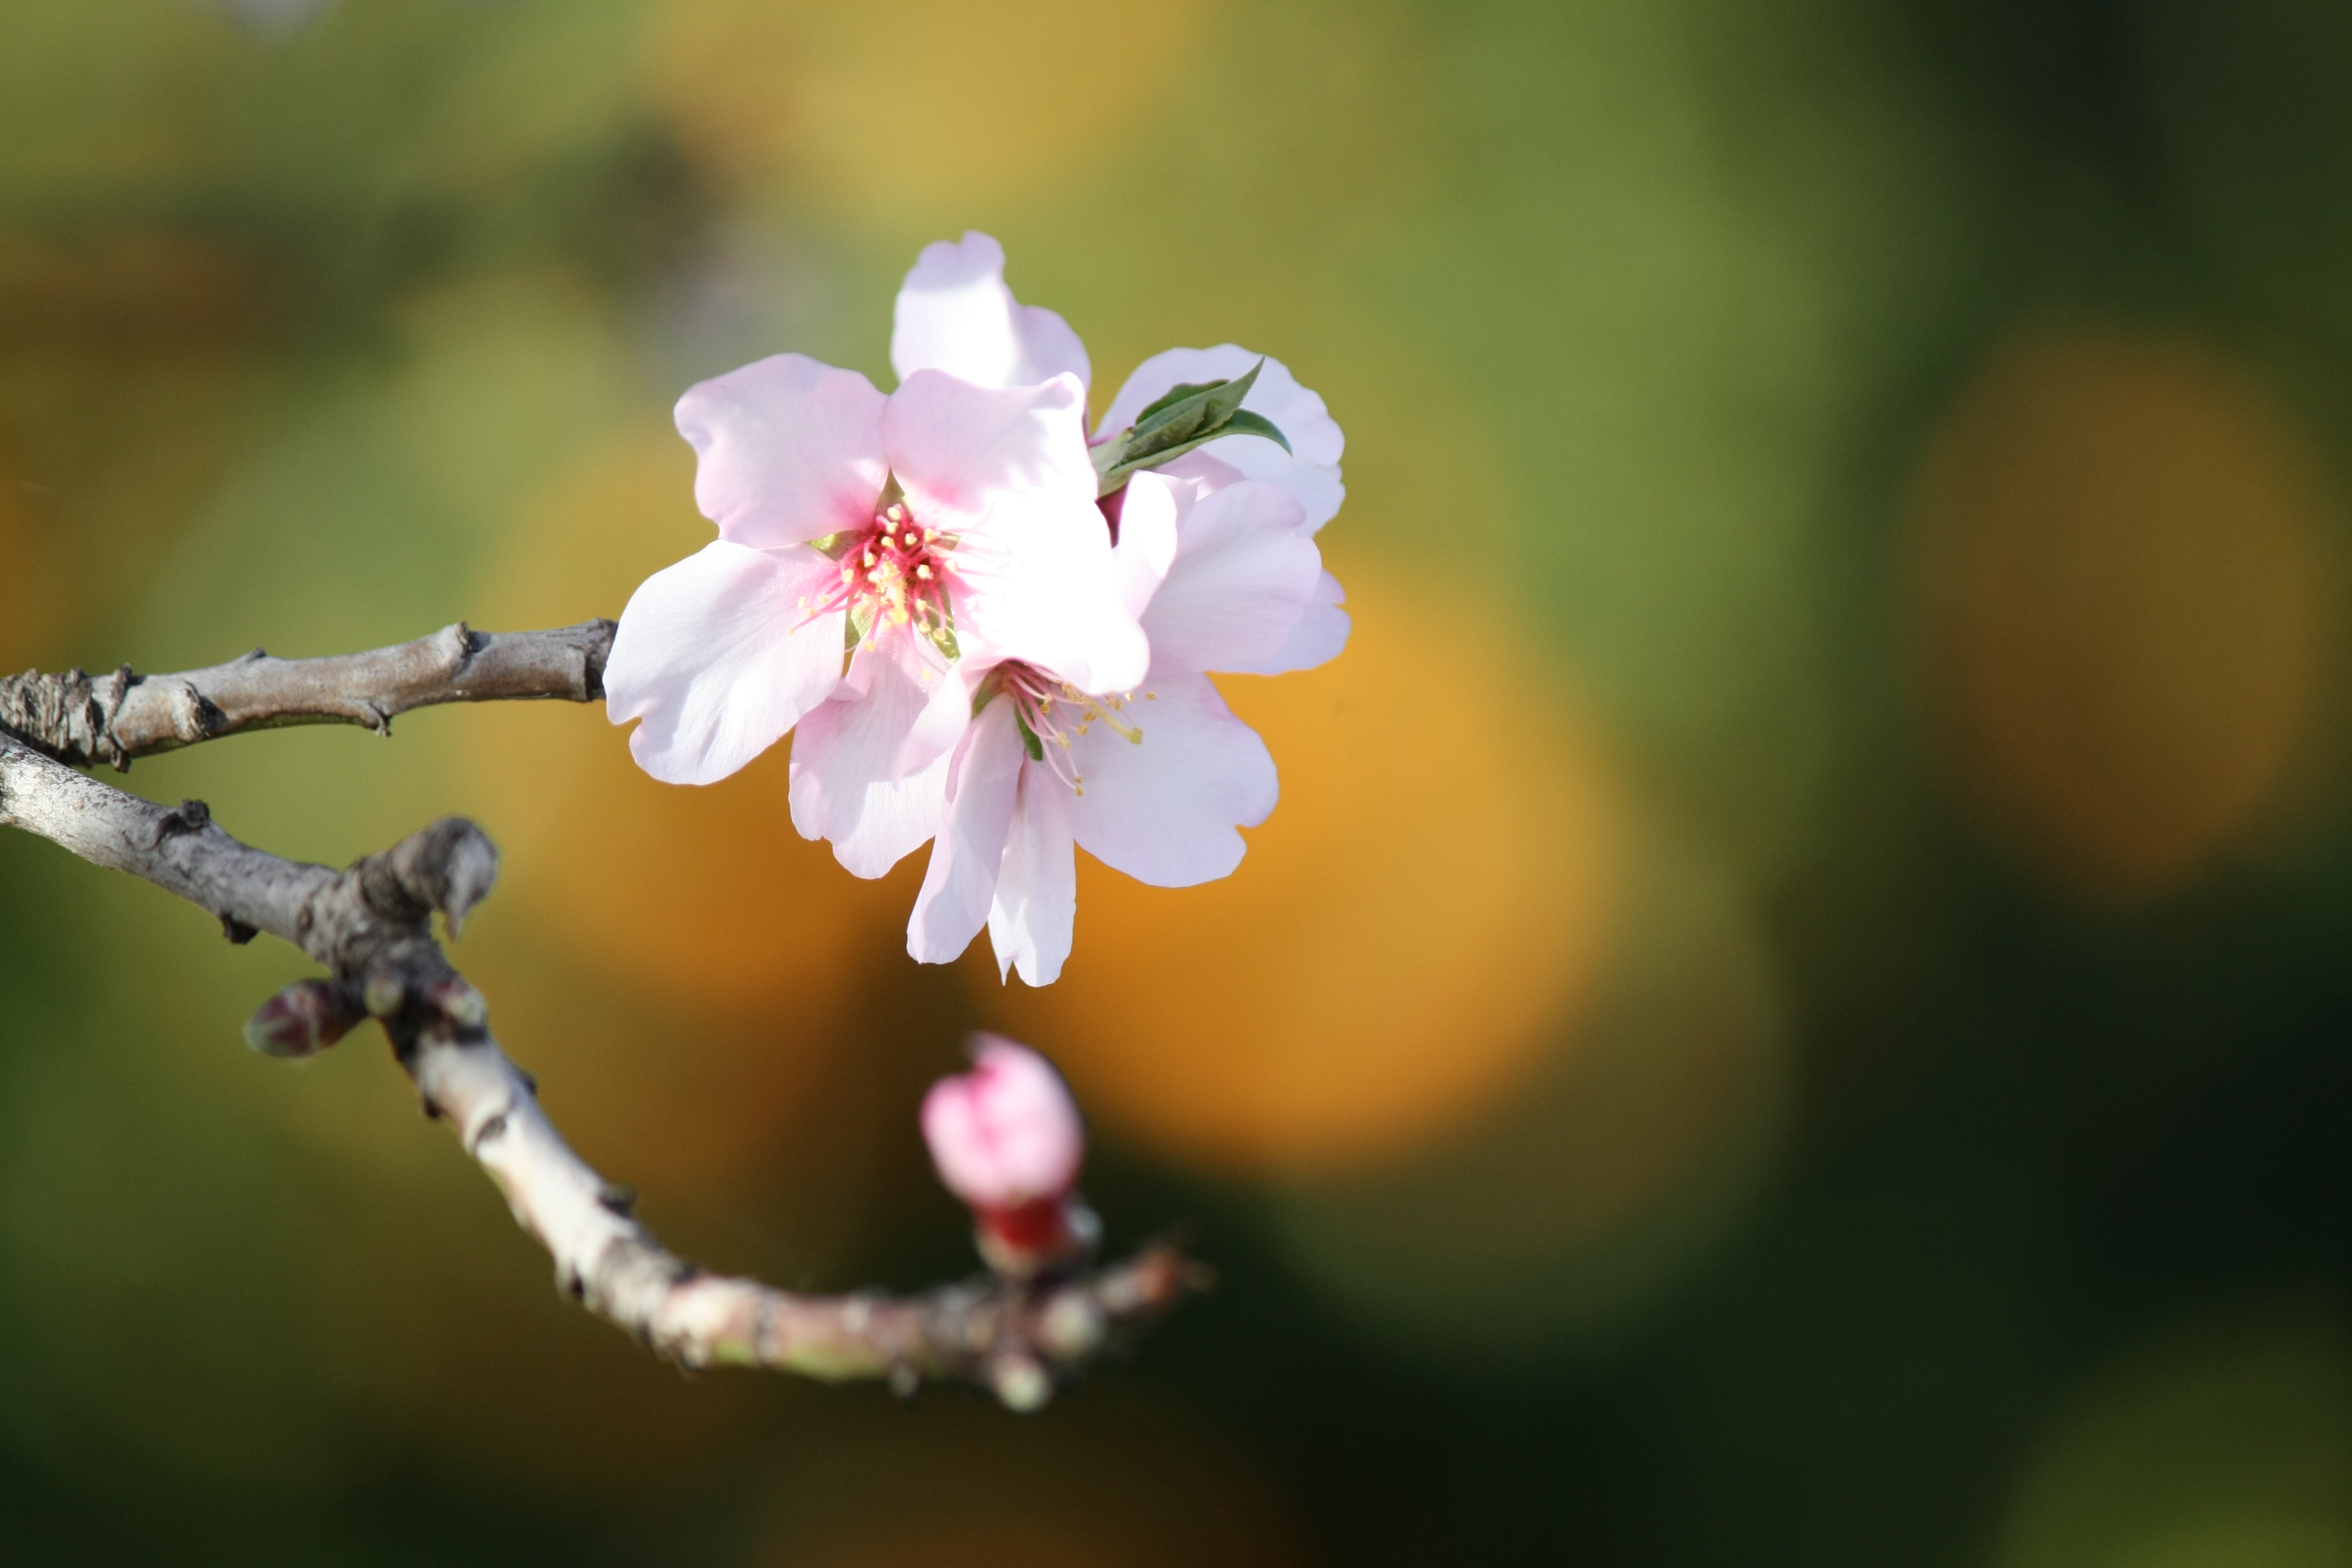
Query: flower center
[[893, 573], [1050, 713]]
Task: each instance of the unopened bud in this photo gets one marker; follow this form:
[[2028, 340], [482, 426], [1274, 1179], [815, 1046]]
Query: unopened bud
[[383, 995], [1020, 1383], [301, 1020], [1006, 1134], [1073, 1327], [461, 1003], [1007, 1139]]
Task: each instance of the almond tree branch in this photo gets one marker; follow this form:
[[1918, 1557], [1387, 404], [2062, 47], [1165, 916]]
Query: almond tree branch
[[370, 927], [84, 720]]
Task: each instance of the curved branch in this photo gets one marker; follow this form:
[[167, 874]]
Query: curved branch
[[370, 927], [84, 720]]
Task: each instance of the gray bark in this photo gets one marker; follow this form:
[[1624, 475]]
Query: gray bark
[[85, 720], [370, 927]]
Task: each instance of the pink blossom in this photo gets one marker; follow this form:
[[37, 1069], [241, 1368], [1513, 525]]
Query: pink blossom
[[943, 522], [1026, 672]]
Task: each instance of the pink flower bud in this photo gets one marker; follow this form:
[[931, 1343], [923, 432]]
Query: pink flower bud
[[1007, 1140], [1007, 1132]]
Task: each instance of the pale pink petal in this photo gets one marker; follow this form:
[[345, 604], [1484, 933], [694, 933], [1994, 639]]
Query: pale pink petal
[[958, 449], [1309, 470], [1037, 891], [787, 450], [1164, 809], [955, 314], [1007, 472], [1147, 540], [1046, 594], [1315, 637], [946, 714], [846, 782], [718, 659], [983, 782], [1006, 1134], [1244, 571]]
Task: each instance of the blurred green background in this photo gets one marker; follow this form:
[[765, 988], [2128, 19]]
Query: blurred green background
[[1795, 1009]]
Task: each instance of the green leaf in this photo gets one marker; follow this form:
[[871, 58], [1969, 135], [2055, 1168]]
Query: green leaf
[[1183, 419], [1037, 748], [1173, 395], [1188, 411], [1244, 423]]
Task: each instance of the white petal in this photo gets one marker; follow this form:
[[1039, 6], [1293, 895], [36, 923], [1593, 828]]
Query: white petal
[[1164, 810], [787, 450], [1147, 540], [1244, 573], [946, 714], [1309, 470], [984, 780], [718, 659], [1038, 892], [955, 314], [846, 785], [957, 448], [1007, 472], [1315, 637]]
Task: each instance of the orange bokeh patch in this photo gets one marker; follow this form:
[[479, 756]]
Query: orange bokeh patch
[[2125, 599], [1419, 918]]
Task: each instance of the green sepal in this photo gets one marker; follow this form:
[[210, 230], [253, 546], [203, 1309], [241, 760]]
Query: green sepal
[[1175, 395], [1037, 748], [1107, 458], [855, 626], [1244, 423], [833, 546], [943, 638], [1184, 417], [1188, 411]]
